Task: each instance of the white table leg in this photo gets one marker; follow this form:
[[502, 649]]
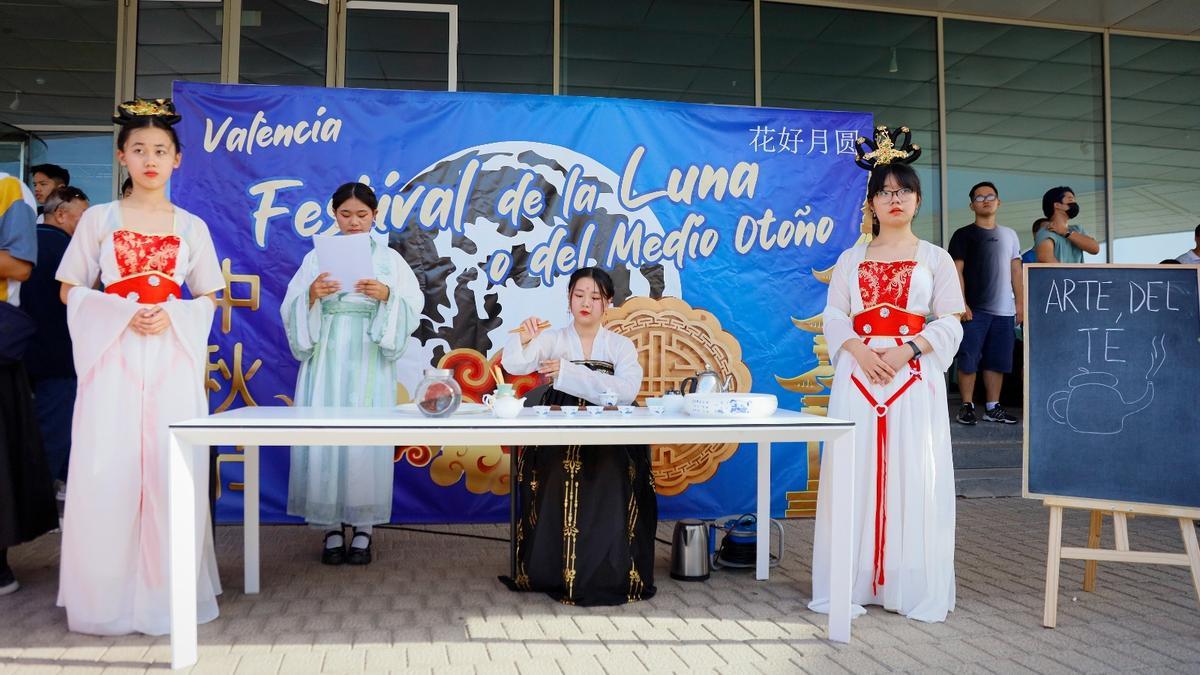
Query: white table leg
[[181, 553], [841, 487], [250, 517], [763, 518]]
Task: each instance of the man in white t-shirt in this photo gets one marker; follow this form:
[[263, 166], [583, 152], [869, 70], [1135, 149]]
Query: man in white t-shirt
[[1192, 256]]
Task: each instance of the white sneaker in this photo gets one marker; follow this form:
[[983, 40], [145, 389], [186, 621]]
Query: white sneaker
[[11, 587]]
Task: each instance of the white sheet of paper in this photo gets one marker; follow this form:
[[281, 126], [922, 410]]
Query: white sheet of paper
[[347, 258]]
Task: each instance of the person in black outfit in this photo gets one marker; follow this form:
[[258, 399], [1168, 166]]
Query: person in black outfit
[[588, 514], [26, 501], [48, 360]]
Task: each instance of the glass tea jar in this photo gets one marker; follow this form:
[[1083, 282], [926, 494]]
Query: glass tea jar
[[438, 395]]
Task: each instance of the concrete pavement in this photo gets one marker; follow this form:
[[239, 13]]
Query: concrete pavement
[[431, 603]]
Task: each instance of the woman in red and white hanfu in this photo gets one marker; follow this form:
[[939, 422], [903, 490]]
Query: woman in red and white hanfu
[[140, 352], [892, 328]]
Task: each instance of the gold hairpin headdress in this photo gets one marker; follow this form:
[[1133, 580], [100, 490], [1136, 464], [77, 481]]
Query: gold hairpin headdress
[[162, 108], [890, 145]]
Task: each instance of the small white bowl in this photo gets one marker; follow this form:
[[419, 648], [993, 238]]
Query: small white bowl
[[570, 410], [657, 410], [626, 409], [595, 409], [541, 410], [674, 403]]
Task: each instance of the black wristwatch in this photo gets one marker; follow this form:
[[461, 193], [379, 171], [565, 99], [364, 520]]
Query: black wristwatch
[[915, 348]]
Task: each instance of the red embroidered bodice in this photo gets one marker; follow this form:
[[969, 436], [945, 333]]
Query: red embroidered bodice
[[138, 253], [885, 282]]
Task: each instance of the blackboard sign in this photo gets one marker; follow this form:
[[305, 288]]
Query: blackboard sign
[[1112, 383]]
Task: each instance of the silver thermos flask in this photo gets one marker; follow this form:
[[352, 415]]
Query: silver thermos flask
[[690, 551]]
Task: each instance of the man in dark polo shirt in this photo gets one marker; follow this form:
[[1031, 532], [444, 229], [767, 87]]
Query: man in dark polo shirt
[[48, 360], [988, 258]]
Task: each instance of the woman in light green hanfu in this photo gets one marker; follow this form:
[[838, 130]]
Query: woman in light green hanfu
[[348, 342]]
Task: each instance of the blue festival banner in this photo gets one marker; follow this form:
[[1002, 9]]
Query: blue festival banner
[[718, 223]]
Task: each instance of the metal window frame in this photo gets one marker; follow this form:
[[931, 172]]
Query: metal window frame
[[126, 45], [411, 7], [1110, 227]]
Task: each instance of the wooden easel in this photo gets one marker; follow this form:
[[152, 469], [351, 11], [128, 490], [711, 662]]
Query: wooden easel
[[1120, 512]]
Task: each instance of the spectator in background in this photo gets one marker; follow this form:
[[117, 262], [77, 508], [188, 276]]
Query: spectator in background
[[1030, 256], [49, 361], [1057, 241], [988, 259], [46, 178], [126, 188], [1192, 257], [26, 502]]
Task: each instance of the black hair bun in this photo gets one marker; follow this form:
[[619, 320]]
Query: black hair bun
[[162, 108]]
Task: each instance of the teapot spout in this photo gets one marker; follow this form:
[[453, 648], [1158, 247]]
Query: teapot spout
[[727, 384], [1141, 403]]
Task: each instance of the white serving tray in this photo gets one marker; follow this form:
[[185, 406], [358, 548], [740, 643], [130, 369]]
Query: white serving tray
[[730, 405]]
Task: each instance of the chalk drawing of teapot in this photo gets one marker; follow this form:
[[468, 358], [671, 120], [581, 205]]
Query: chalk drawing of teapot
[[1083, 405]]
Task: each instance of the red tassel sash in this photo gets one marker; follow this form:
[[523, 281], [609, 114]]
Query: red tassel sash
[[881, 413]]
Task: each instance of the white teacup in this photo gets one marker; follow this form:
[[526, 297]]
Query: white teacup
[[673, 403], [541, 410], [657, 409], [608, 397], [595, 409], [626, 409]]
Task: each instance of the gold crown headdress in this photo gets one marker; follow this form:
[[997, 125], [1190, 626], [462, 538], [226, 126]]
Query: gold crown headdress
[[161, 108], [890, 145]]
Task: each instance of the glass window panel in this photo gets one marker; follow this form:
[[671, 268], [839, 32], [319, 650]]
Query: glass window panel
[[506, 46], [283, 42], [502, 47], [57, 61], [395, 49], [886, 64], [700, 51], [1025, 110], [87, 155], [177, 41], [1156, 147], [12, 153]]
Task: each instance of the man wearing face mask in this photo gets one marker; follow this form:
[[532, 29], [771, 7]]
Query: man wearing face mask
[[1057, 241]]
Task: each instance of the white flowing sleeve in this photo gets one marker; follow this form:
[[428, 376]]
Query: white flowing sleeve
[[191, 322], [945, 331], [204, 272], [96, 321], [301, 322], [835, 320], [588, 384], [396, 319], [521, 359], [80, 264]]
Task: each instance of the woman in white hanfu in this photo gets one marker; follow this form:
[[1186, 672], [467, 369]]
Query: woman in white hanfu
[[348, 342], [892, 328], [140, 351]]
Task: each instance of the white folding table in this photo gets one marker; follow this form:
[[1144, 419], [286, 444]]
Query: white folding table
[[285, 426]]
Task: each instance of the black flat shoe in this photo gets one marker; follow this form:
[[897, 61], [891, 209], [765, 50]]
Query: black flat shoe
[[335, 555], [359, 556]]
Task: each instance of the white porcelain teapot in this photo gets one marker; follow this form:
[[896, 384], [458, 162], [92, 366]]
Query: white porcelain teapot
[[504, 402]]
